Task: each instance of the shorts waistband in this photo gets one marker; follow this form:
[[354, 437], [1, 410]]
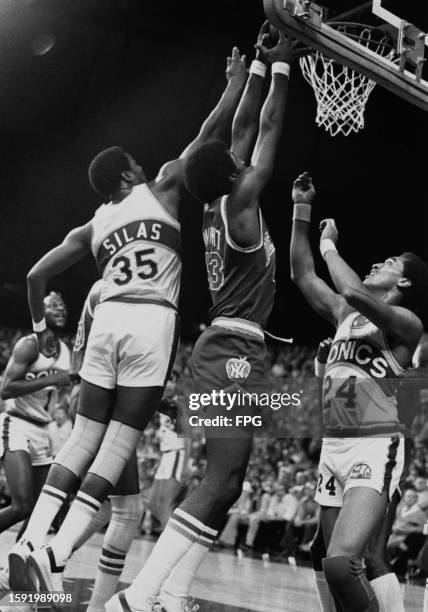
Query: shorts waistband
[[27, 418], [248, 327], [140, 300], [374, 432]]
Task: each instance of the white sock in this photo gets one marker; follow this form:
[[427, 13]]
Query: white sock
[[388, 593], [181, 531], [325, 598], [47, 507], [100, 520], [75, 524], [126, 516], [176, 587]]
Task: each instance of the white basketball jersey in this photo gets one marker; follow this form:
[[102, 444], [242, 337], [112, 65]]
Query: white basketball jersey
[[137, 247], [361, 381], [37, 406]]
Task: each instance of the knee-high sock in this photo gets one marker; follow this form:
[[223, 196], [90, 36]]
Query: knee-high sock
[[47, 507], [176, 587], [100, 520], [181, 531], [325, 598], [126, 517], [388, 593], [75, 525]]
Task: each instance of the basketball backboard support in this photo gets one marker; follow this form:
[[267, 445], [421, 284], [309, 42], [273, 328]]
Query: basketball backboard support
[[304, 20]]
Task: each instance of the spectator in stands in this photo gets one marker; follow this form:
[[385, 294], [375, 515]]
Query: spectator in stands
[[407, 536], [59, 429], [237, 515], [421, 486]]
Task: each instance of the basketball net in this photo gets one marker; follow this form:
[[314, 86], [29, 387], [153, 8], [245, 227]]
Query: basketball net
[[341, 92]]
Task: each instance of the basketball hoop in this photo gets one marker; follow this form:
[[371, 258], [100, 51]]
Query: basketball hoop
[[342, 93]]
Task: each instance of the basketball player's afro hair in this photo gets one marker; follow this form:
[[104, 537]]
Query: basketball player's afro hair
[[416, 296], [207, 171], [105, 170]]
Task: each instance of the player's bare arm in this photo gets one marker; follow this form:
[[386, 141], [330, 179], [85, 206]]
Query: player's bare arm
[[243, 215], [320, 296], [168, 184], [24, 354], [400, 324], [246, 121], [75, 246]]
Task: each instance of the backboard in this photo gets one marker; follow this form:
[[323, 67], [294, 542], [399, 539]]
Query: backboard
[[401, 74]]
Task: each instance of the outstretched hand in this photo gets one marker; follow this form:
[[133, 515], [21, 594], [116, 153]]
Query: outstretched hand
[[236, 69], [303, 189], [286, 50], [329, 230]]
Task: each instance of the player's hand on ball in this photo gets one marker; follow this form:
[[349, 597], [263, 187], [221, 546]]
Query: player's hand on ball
[[47, 343], [303, 189], [236, 69], [329, 230], [286, 50]]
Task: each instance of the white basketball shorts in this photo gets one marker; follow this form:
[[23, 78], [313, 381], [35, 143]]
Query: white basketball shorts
[[19, 434], [130, 345], [346, 463]]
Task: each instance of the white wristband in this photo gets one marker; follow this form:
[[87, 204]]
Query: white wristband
[[281, 68], [259, 68], [302, 212], [327, 245], [40, 326]]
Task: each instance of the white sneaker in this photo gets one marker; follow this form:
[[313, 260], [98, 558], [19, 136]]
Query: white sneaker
[[43, 571], [118, 603], [4, 579], [18, 556]]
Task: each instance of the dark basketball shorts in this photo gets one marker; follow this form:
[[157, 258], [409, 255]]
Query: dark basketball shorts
[[232, 361]]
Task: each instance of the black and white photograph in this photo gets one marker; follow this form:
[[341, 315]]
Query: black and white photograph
[[214, 306]]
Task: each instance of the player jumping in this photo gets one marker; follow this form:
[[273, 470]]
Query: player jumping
[[135, 239], [378, 330], [240, 260]]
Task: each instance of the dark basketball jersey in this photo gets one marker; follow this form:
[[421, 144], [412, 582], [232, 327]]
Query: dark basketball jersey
[[241, 280]]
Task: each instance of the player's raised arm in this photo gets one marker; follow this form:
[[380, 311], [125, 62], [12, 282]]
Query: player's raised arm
[[246, 121], [75, 246], [396, 321], [319, 295], [219, 122]]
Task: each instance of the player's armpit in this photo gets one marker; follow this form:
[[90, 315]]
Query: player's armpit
[[397, 322]]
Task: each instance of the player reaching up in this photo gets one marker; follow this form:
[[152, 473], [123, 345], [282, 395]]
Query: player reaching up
[[135, 239], [240, 260], [378, 330]]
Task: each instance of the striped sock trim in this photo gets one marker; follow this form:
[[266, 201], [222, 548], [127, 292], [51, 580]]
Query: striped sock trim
[[111, 562], [193, 537], [188, 518], [54, 492], [93, 503]]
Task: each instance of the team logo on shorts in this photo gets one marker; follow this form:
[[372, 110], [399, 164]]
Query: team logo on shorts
[[361, 471], [238, 368]]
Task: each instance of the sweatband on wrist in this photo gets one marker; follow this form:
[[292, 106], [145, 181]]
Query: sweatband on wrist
[[302, 212], [327, 245], [319, 368], [259, 68], [281, 68], [40, 326]]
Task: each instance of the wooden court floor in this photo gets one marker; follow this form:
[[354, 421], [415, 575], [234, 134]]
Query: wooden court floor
[[223, 584]]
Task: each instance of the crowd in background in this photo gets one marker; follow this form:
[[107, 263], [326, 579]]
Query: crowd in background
[[276, 514]]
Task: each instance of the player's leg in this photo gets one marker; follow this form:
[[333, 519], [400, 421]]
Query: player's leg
[[383, 580], [40, 473], [19, 477], [126, 516], [318, 550], [134, 407], [95, 404], [362, 513], [192, 528]]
